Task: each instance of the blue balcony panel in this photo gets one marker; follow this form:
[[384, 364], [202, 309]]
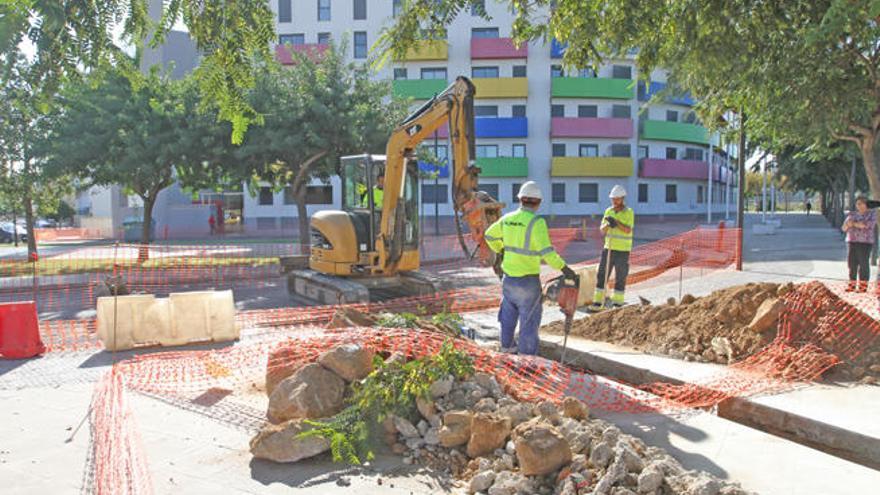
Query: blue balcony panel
[[430, 168], [503, 127], [655, 87], [557, 49]]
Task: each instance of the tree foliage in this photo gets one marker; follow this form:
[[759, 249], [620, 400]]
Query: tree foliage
[[72, 36]]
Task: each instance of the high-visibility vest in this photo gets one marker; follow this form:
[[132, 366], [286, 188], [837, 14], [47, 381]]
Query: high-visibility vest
[[526, 241], [616, 239], [378, 196]]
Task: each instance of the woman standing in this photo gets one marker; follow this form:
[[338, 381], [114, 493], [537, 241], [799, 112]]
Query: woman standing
[[859, 227]]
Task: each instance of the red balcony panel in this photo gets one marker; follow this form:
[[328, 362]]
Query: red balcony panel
[[657, 168], [497, 48], [568, 127], [311, 50]]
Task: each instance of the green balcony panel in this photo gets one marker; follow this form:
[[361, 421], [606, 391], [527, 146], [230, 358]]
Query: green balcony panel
[[662, 130], [420, 89], [592, 87], [504, 167]]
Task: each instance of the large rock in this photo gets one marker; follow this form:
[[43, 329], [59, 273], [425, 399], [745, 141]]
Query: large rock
[[488, 432], [456, 428], [575, 409], [540, 448], [767, 315], [350, 361], [282, 363], [312, 392], [279, 443]]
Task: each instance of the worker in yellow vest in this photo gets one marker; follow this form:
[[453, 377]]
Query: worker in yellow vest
[[617, 227], [378, 193], [524, 240]]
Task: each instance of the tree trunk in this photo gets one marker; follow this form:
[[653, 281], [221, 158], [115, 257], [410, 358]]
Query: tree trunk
[[29, 223], [14, 229], [144, 251], [302, 217], [869, 160]]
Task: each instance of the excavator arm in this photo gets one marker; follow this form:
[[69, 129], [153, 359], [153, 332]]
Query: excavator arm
[[478, 209]]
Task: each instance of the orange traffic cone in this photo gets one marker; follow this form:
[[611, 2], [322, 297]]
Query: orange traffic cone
[[19, 331]]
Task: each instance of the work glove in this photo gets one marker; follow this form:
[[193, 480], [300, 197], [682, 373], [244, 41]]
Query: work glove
[[569, 273], [611, 222]]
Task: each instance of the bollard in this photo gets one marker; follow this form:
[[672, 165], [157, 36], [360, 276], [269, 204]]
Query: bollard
[[19, 331]]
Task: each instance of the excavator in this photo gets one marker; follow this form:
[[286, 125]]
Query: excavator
[[372, 244]]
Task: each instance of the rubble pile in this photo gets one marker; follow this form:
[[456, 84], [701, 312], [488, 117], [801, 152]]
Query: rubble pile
[[491, 443]]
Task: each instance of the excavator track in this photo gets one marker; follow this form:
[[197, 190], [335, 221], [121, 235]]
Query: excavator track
[[316, 288]]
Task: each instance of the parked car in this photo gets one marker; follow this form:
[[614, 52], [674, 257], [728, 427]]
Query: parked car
[[6, 232]]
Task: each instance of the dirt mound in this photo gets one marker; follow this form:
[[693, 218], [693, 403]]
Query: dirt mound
[[714, 328]]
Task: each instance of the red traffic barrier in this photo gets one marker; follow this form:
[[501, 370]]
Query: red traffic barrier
[[19, 331]]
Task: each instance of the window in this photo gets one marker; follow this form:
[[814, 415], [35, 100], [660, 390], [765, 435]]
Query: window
[[671, 116], [360, 10], [360, 44], [266, 196], [396, 7], [323, 38], [292, 39], [400, 73], [558, 192], [435, 194], [621, 111], [588, 111], [693, 154], [319, 195], [518, 151], [323, 10], [487, 151], [643, 193], [700, 198], [671, 153], [620, 149], [440, 151], [556, 71], [519, 71], [434, 73], [689, 118], [284, 11], [588, 73], [289, 198], [588, 193], [484, 32], [588, 150], [486, 111], [490, 189], [484, 72], [643, 152], [671, 193], [518, 111], [514, 191], [478, 7], [621, 72], [557, 110], [558, 149]]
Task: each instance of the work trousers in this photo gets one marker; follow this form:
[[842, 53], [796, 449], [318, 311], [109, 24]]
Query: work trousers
[[859, 260], [520, 302], [620, 267]]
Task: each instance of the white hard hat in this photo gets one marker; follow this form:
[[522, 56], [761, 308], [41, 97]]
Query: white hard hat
[[617, 191], [530, 190]]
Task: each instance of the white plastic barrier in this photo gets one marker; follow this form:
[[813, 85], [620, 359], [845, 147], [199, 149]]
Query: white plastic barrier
[[128, 321], [763, 229], [587, 285]]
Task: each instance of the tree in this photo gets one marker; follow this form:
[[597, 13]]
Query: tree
[[314, 112], [71, 36], [806, 73], [112, 130]]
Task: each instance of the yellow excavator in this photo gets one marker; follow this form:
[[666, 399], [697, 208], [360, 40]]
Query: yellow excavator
[[372, 244]]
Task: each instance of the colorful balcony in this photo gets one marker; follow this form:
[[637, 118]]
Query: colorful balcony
[[557, 49], [661, 130], [646, 93], [562, 127], [504, 166], [427, 50], [283, 53], [429, 169], [601, 166], [420, 89], [592, 87], [506, 127], [497, 48], [501, 87], [656, 168]]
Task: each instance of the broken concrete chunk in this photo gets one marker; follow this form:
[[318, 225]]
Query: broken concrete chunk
[[482, 481], [540, 449], [405, 427], [488, 432], [767, 315], [575, 409], [352, 362], [441, 388], [456, 428], [280, 443]]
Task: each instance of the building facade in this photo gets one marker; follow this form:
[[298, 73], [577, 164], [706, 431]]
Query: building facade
[[576, 133]]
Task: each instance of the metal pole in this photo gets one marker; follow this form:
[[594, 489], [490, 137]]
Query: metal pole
[[740, 217], [436, 189], [763, 191], [709, 186], [727, 186]]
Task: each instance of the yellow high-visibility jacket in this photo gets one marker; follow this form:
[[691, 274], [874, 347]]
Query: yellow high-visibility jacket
[[526, 241]]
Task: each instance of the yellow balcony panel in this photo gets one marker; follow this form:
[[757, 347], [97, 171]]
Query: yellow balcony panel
[[600, 166], [502, 87], [427, 50]]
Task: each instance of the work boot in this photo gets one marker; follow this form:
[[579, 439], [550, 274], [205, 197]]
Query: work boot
[[508, 350], [863, 286], [851, 287], [595, 307]]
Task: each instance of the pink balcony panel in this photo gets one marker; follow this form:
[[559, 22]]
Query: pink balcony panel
[[495, 48], [655, 168], [311, 50], [567, 127], [442, 133]]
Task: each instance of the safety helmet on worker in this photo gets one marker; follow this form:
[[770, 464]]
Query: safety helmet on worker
[[530, 190], [617, 192]]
